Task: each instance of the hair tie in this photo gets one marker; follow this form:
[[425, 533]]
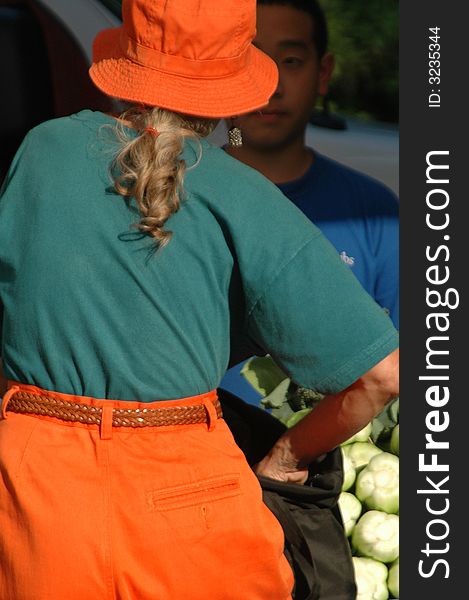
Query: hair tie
[[152, 130]]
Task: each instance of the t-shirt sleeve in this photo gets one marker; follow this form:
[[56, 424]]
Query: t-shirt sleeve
[[318, 323]]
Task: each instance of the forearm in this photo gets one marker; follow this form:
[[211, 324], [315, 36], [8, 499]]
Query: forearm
[[335, 419]]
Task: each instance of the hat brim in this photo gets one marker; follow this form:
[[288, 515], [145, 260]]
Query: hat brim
[[117, 76]]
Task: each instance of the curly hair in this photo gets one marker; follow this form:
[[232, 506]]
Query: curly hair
[[149, 167]]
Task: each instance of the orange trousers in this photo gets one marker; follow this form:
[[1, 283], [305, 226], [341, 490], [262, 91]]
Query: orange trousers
[[154, 513]]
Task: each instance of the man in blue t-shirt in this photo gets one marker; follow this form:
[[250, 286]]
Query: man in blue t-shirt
[[357, 214]]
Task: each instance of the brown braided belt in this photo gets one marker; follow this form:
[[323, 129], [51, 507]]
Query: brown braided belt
[[47, 406]]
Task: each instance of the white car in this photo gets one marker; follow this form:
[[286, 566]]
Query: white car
[[46, 49]]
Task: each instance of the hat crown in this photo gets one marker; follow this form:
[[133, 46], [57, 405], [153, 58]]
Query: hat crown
[[198, 30], [194, 57]]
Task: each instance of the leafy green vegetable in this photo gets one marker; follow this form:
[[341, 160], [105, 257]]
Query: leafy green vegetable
[[263, 374], [276, 387], [300, 398], [276, 401], [383, 424], [395, 440]]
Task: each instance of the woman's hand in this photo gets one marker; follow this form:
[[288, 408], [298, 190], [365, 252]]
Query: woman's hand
[[280, 464]]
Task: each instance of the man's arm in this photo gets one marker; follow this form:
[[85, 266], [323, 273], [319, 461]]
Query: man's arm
[[335, 419]]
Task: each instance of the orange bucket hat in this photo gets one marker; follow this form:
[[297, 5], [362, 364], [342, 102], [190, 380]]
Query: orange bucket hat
[[190, 56]]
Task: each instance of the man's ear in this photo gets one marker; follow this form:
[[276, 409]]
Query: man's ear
[[326, 67]]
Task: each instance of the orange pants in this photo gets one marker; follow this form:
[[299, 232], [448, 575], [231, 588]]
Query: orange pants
[[154, 513]]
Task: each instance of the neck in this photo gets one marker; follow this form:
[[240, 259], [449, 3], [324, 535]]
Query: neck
[[280, 165]]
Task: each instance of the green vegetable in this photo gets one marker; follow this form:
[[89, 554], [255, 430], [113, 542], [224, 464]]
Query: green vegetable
[[297, 416], [395, 440], [393, 579], [377, 485], [370, 577], [361, 436], [373, 533], [376, 535], [383, 423], [350, 509], [300, 397], [263, 374], [349, 472], [360, 453]]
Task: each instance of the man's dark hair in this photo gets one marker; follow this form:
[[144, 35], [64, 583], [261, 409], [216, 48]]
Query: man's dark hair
[[314, 9]]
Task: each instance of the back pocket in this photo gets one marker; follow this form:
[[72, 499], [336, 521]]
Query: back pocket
[[192, 510], [195, 493]]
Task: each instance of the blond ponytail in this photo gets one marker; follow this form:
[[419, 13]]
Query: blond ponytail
[[149, 167]]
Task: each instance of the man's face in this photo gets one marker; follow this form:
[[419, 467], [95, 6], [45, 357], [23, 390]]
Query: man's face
[[286, 35]]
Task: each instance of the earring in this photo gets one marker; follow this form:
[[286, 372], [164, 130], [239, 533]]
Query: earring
[[235, 137]]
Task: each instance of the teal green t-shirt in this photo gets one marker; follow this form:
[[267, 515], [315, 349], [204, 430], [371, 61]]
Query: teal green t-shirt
[[90, 308]]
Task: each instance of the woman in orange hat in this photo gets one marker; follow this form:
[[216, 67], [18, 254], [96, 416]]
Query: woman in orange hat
[[134, 262]]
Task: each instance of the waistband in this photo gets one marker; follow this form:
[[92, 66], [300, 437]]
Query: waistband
[[31, 400]]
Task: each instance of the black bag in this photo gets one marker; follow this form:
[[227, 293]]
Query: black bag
[[315, 542]]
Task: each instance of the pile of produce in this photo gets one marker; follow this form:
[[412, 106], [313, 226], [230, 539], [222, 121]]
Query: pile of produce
[[369, 502]]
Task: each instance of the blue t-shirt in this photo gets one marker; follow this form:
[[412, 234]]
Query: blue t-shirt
[[360, 217]]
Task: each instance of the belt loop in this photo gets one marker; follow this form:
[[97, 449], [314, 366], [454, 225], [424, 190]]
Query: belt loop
[[6, 399], [211, 414], [105, 429]]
